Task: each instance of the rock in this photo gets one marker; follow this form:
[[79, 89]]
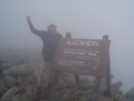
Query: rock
[[127, 100], [72, 99], [62, 85], [3, 89], [130, 94], [6, 65], [33, 78], [19, 80], [84, 81], [16, 97], [79, 92], [16, 60], [102, 98], [82, 92], [9, 94], [89, 92], [1, 65], [103, 89], [85, 97], [58, 96], [87, 87], [115, 88], [21, 70], [28, 95], [118, 97], [10, 81]]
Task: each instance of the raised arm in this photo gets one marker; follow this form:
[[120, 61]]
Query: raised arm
[[33, 30]]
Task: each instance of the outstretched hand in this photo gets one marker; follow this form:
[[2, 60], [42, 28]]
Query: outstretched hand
[[28, 18]]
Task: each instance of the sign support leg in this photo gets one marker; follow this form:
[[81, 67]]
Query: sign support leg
[[108, 73], [96, 93], [77, 79]]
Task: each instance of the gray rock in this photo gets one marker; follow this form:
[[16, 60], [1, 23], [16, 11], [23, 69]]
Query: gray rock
[[87, 87], [130, 94], [16, 97], [115, 88], [10, 81], [21, 70], [85, 97], [19, 80], [127, 100], [9, 94], [33, 77], [28, 95], [103, 98], [58, 96], [117, 97], [3, 89], [6, 65], [84, 81]]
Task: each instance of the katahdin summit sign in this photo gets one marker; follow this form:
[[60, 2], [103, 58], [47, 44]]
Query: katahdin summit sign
[[82, 56]]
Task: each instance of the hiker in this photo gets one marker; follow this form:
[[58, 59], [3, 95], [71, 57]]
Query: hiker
[[50, 40]]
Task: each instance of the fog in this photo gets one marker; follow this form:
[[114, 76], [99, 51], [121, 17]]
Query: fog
[[86, 19]]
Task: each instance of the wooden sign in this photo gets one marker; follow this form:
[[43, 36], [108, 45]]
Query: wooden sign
[[82, 56]]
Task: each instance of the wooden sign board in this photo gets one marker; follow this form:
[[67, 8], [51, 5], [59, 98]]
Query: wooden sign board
[[82, 56]]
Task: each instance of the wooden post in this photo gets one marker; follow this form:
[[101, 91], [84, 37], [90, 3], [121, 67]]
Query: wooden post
[[97, 85], [77, 77], [108, 73]]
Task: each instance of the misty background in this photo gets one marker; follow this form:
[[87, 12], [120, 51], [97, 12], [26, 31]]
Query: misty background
[[86, 19]]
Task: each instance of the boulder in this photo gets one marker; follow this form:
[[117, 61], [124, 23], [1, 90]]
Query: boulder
[[10, 81], [16, 97], [9, 94], [33, 78], [3, 88], [19, 80], [84, 81], [102, 98], [85, 98], [118, 97], [60, 96], [21, 70], [6, 65], [28, 95], [87, 87], [127, 100], [130, 94], [115, 88]]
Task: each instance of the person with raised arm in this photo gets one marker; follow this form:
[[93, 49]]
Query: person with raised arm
[[50, 40]]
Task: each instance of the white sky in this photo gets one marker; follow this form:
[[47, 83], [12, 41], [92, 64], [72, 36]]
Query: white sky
[[90, 19]]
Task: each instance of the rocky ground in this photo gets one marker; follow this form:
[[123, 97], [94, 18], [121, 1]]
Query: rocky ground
[[18, 83]]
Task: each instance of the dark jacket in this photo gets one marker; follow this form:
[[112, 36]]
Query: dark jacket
[[50, 42]]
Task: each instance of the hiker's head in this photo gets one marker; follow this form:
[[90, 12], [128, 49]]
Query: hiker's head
[[52, 28]]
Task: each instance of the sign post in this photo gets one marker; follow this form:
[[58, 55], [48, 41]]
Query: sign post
[[82, 56], [108, 73]]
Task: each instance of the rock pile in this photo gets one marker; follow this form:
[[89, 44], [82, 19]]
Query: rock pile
[[18, 83]]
